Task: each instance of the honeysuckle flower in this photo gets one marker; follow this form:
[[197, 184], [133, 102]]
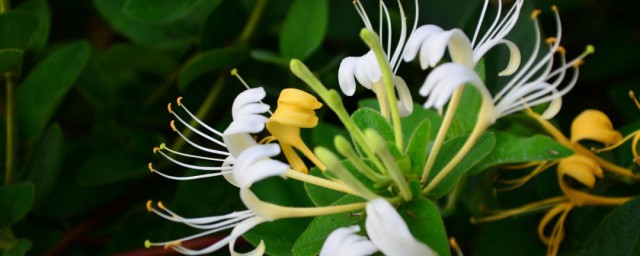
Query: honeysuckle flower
[[386, 229], [345, 242], [246, 111], [594, 125], [366, 68], [431, 41], [295, 110]]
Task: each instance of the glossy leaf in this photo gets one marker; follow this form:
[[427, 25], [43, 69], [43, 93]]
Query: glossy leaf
[[15, 201], [209, 61], [44, 164], [40, 9], [424, 222], [11, 60], [480, 150], [411, 122], [321, 196], [304, 28], [16, 29], [366, 118], [312, 239], [46, 86], [158, 11], [618, 233], [418, 147], [511, 149]]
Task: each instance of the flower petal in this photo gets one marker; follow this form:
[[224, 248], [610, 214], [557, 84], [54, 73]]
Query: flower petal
[[345, 242], [253, 95], [254, 164], [346, 74], [405, 102], [416, 40], [388, 231]]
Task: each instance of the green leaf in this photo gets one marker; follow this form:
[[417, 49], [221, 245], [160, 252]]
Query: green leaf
[[366, 118], [424, 222], [158, 11], [20, 248], [411, 122], [323, 134], [11, 60], [44, 163], [47, 84], [110, 166], [16, 29], [304, 28], [480, 150], [15, 201], [269, 57], [212, 60], [618, 233], [511, 149], [467, 112], [321, 196], [39, 9], [312, 239], [418, 146]]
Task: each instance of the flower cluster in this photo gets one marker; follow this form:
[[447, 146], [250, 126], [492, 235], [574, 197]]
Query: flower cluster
[[383, 169]]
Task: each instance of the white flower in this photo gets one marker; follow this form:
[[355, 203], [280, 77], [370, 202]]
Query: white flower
[[535, 83], [431, 41], [386, 229], [366, 68], [252, 165], [344, 241], [246, 111]]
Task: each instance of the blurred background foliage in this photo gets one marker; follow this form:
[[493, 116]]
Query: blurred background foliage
[[87, 83]]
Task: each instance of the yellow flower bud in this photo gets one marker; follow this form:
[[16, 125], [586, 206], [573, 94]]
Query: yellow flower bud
[[594, 125]]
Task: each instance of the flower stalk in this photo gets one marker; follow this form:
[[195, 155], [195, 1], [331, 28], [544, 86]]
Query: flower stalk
[[11, 127]]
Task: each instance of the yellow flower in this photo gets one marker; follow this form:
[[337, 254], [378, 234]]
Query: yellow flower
[[594, 125], [295, 110]]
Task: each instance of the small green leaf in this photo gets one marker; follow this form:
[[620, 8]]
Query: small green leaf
[[304, 28], [418, 146], [158, 11], [47, 84], [512, 149], [16, 29], [44, 163], [212, 60], [110, 166], [269, 57], [480, 150], [15, 201], [366, 118], [321, 196], [618, 233], [424, 222], [39, 9], [411, 122], [312, 239], [11, 60], [467, 112], [20, 248]]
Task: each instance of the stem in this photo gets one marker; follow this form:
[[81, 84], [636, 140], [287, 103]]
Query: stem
[[295, 212], [532, 207], [452, 198], [442, 133], [373, 41], [319, 181], [11, 129], [481, 125], [256, 14]]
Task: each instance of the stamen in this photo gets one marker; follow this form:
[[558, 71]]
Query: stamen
[[561, 50], [198, 131], [454, 245], [195, 167], [179, 101], [554, 8], [169, 108], [161, 205], [234, 72], [172, 244], [173, 125], [550, 40], [147, 244], [192, 177], [635, 100], [155, 149], [475, 34], [150, 167], [163, 147], [149, 207], [535, 13], [532, 207], [213, 151]]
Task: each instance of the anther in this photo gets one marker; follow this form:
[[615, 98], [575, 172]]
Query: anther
[[590, 49], [535, 13], [454, 245], [234, 72], [161, 205], [550, 40], [635, 100], [561, 50], [578, 63], [172, 244], [150, 167], [173, 125], [554, 8], [149, 208], [169, 108], [163, 146], [179, 101], [636, 160], [155, 149], [147, 244]]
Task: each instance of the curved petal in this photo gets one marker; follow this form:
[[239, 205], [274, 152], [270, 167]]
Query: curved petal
[[345, 242], [346, 74], [248, 96], [405, 102], [388, 231], [228, 162], [447, 77], [246, 124], [514, 55], [238, 231], [416, 40], [254, 164]]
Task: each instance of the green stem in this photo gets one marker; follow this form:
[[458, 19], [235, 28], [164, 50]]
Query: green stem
[[452, 198], [254, 19], [11, 128], [373, 41], [484, 120], [442, 133]]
